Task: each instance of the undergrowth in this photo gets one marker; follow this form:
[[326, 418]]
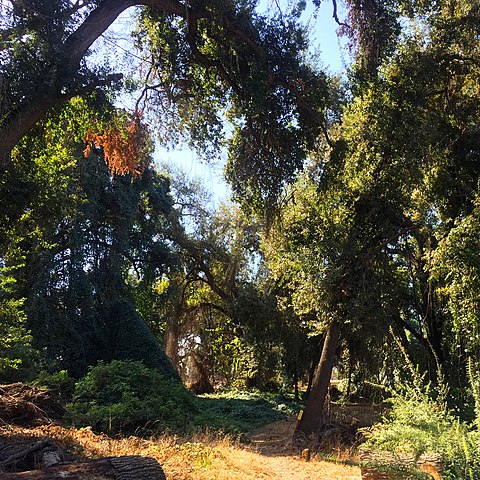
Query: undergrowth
[[236, 411], [128, 398], [419, 423]]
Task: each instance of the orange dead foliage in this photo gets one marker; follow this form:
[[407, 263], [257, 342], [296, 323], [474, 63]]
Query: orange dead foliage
[[123, 147]]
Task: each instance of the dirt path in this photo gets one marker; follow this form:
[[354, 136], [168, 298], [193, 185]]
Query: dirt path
[[272, 456], [275, 439]]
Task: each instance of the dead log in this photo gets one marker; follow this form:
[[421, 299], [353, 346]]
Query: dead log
[[21, 453], [23, 456], [111, 468]]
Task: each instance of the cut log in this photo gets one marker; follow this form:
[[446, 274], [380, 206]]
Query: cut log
[[24, 456], [112, 468], [21, 452], [50, 458]]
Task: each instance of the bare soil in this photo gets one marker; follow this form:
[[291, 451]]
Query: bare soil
[[282, 459]]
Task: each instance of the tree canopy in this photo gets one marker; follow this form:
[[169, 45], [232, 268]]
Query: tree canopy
[[358, 233], [223, 57]]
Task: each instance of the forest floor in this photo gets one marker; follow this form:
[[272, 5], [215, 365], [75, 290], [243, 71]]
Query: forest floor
[[269, 455], [265, 453]]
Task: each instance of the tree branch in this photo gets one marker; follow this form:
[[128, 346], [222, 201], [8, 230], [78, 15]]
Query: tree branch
[[78, 43], [208, 62], [6, 33], [257, 48], [27, 115], [76, 7], [211, 305], [22, 117], [335, 16], [303, 105], [106, 82], [413, 331]]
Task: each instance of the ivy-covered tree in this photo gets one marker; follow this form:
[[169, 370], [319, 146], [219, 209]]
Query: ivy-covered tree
[[81, 233]]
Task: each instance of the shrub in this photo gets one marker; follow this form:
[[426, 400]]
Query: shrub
[[60, 382], [126, 396], [418, 424]]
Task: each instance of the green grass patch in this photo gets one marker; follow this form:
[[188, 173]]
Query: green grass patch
[[239, 412]]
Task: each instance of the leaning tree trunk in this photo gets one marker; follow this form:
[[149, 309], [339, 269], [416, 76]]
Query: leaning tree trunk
[[313, 364], [115, 468], [313, 413]]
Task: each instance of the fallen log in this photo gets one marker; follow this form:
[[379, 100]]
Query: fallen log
[[111, 468], [28, 455]]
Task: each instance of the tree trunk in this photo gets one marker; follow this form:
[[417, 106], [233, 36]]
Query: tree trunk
[[429, 311], [313, 364], [200, 377], [115, 468], [311, 374], [312, 415], [295, 379], [350, 370], [171, 344]]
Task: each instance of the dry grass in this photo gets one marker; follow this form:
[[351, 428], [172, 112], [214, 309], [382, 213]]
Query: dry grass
[[205, 457]]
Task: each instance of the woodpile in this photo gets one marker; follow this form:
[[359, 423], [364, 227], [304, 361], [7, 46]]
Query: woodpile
[[25, 405]]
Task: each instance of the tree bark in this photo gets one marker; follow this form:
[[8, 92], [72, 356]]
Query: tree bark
[[295, 379], [312, 416], [115, 468], [313, 364], [171, 343]]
